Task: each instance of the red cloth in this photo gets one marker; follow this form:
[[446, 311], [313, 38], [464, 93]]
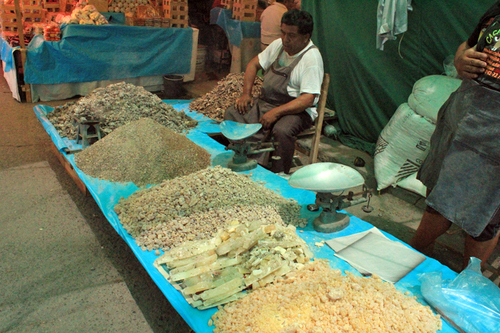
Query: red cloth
[[217, 3]]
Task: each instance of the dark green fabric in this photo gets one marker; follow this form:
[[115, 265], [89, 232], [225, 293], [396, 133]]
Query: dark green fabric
[[367, 85], [357, 143]]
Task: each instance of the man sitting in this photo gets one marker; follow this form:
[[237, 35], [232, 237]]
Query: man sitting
[[293, 69]]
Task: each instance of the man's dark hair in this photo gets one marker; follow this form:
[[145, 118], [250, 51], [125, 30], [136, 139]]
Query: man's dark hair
[[299, 18]]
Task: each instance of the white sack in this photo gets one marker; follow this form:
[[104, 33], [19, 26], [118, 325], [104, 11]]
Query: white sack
[[414, 185], [429, 94], [401, 147]]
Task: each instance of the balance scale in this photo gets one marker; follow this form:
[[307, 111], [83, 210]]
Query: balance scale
[[326, 179], [238, 133]]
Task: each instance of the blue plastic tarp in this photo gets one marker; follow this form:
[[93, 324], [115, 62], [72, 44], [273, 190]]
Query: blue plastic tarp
[[6, 54], [88, 53], [107, 194], [114, 18], [235, 30]]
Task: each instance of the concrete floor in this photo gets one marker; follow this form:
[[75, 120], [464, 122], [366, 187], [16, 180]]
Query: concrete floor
[[65, 269]]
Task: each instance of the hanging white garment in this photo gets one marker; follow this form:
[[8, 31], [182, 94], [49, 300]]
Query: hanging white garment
[[392, 19]]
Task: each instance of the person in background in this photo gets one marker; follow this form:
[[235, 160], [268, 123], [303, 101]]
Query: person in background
[[462, 169], [270, 21], [293, 76], [261, 6]]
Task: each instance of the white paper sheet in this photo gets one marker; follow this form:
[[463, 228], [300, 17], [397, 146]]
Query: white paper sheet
[[371, 252]]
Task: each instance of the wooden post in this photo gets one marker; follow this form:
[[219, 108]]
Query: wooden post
[[19, 19], [313, 156]]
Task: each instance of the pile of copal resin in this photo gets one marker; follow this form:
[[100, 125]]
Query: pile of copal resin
[[320, 299], [115, 106], [242, 256], [203, 225], [214, 103], [143, 152], [212, 188]]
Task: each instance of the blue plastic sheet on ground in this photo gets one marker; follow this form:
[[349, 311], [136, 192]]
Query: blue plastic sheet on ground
[[6, 54], [88, 53], [107, 194], [235, 30]]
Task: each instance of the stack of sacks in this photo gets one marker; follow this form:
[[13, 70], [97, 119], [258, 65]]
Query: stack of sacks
[[85, 15], [403, 144]]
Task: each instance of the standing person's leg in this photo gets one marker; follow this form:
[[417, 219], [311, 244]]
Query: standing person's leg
[[285, 132], [432, 225], [483, 245], [480, 250]]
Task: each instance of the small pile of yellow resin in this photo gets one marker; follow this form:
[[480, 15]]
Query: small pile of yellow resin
[[320, 299], [242, 256]]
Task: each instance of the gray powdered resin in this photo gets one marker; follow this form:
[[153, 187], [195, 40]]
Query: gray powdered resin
[[185, 205], [117, 105], [143, 152]]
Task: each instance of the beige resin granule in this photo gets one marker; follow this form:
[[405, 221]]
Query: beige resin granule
[[214, 103], [320, 299]]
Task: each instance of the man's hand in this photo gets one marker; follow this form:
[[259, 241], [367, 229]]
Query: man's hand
[[268, 119], [243, 102], [469, 62]]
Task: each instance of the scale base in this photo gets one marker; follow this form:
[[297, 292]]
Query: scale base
[[367, 209], [244, 166], [340, 222]]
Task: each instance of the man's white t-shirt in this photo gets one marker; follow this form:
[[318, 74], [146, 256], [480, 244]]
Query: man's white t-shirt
[[270, 26], [306, 77]]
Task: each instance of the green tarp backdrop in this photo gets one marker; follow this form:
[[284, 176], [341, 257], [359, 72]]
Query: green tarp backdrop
[[367, 85]]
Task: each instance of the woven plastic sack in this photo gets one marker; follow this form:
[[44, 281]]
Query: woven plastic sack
[[449, 67], [471, 301], [411, 183], [401, 147], [429, 94]]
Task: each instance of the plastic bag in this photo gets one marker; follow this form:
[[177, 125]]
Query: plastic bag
[[470, 300]]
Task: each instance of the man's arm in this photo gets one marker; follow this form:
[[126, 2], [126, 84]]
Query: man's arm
[[469, 62], [295, 106], [248, 80]]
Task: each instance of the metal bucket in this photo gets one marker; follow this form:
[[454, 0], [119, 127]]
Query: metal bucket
[[172, 86]]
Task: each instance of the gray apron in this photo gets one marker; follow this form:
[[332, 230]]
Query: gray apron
[[273, 94], [463, 166]]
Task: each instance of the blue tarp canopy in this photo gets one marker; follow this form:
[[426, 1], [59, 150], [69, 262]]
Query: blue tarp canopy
[[6, 54], [235, 30], [89, 53], [107, 194]]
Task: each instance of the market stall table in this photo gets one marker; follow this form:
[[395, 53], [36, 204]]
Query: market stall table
[[89, 56], [107, 195]]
